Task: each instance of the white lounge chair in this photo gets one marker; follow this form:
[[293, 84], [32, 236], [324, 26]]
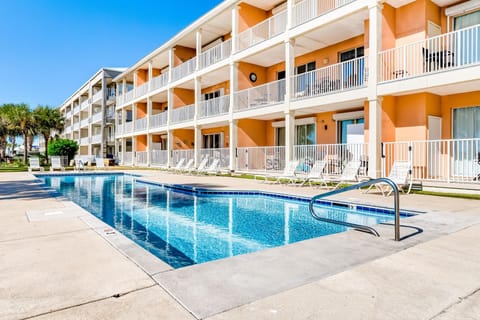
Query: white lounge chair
[[187, 167], [179, 166], [79, 165], [400, 174], [316, 173], [201, 167], [56, 163], [211, 169], [288, 173], [349, 174], [34, 164], [99, 164]]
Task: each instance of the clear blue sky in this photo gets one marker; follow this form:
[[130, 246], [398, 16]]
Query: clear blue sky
[[49, 48]]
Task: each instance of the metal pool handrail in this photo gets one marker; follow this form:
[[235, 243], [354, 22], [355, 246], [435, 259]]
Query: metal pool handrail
[[396, 206]]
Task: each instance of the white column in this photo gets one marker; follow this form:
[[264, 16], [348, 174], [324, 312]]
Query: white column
[[289, 135], [289, 70], [199, 48], [124, 89], [149, 149], [169, 148], [169, 120], [233, 86], [234, 28], [134, 150], [124, 149], [290, 17], [103, 143], [374, 102], [233, 125], [198, 145], [171, 63], [198, 97], [150, 75]]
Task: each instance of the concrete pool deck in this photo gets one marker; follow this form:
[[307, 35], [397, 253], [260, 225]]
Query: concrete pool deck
[[59, 262]]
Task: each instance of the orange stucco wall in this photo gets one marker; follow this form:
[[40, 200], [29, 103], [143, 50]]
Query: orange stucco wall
[[142, 76], [450, 102], [183, 139], [252, 133], [244, 70], [141, 143], [183, 97], [249, 16], [158, 107], [141, 110], [182, 54]]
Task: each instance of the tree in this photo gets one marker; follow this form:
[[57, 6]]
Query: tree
[[22, 119], [3, 134], [8, 112], [47, 122], [63, 147]]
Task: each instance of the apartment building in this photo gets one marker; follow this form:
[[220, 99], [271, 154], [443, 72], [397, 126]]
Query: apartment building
[[90, 115], [257, 83]]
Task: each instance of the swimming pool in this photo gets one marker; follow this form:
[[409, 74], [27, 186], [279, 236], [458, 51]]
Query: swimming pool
[[182, 227]]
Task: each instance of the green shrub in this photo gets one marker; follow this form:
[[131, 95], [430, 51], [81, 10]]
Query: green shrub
[[63, 147]]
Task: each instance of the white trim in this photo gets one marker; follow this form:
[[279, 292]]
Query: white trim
[[462, 8], [348, 115], [298, 122]]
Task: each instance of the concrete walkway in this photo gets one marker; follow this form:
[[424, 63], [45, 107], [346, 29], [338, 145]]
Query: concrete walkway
[[59, 262]]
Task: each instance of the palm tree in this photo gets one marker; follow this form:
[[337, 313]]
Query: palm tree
[[21, 119], [47, 122], [3, 133], [8, 112]]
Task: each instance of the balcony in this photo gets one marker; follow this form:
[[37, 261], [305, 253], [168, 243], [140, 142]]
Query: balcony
[[222, 154], [307, 10], [97, 117], [261, 96], [76, 109], [141, 158], [84, 141], [262, 31], [69, 114], [141, 124], [84, 123], [97, 96], [159, 157], [185, 69], [215, 107], [76, 126], [141, 90], [67, 130], [160, 81], [216, 54], [183, 114], [128, 127], [159, 120], [445, 52], [119, 130], [84, 105], [334, 78], [96, 139]]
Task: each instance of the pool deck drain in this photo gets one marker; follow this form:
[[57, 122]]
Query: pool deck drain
[[71, 267]]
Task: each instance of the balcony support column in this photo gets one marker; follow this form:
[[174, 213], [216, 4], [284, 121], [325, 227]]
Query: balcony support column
[[150, 75], [197, 145], [171, 63], [289, 70], [290, 17], [374, 101], [134, 151], [149, 149], [124, 90], [234, 28], [124, 149], [169, 148], [233, 126], [198, 98], [233, 87], [103, 141], [169, 120], [289, 135], [198, 65]]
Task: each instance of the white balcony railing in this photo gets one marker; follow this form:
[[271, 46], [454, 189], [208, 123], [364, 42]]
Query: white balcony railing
[[262, 31], [84, 123], [97, 117], [186, 154], [185, 69], [84, 141], [128, 127], [119, 100], [183, 114], [141, 90], [69, 114], [97, 138], [307, 10], [84, 105], [141, 124], [160, 81], [97, 96], [76, 126], [141, 158], [260, 96], [214, 107], [256, 159], [129, 96], [76, 109], [128, 158], [159, 157], [336, 155], [456, 160], [67, 130], [222, 154], [448, 51], [216, 54], [159, 120], [119, 130], [337, 77]]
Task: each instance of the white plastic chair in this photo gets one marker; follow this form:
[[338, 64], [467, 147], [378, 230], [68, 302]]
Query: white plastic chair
[[400, 174], [288, 173], [349, 174], [56, 163], [316, 173], [99, 164], [34, 164]]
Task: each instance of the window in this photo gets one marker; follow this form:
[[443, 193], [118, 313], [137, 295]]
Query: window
[[304, 135], [213, 141], [467, 39], [351, 131], [466, 153], [213, 94], [353, 71], [304, 82]]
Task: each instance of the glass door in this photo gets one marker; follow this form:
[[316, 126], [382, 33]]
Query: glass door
[[467, 44], [466, 128]]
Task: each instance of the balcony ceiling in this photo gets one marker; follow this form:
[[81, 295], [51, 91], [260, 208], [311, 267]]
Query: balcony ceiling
[[215, 77], [264, 4], [268, 57], [440, 3]]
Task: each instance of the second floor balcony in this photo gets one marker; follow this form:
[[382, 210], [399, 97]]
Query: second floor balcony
[[216, 54], [97, 117], [141, 124], [214, 107], [159, 120], [97, 96], [185, 69], [183, 114], [84, 123], [260, 96]]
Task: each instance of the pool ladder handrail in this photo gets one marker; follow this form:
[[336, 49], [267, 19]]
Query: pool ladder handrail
[[396, 206]]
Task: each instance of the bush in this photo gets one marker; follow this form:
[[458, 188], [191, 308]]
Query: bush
[[63, 147]]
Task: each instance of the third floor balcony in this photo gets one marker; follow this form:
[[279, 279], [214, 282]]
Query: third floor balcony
[[262, 31]]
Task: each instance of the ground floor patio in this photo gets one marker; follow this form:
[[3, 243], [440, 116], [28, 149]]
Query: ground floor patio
[[57, 261]]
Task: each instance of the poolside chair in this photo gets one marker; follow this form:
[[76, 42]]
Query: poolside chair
[[179, 165], [400, 174], [212, 168], [79, 165], [34, 164], [201, 167], [56, 163], [287, 174], [99, 164], [349, 174], [316, 174], [187, 167]]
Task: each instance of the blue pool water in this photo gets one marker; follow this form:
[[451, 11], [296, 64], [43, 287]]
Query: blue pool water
[[183, 228]]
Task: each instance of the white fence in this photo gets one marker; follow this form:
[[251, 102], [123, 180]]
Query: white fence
[[260, 96], [97, 117], [129, 96], [186, 68], [337, 77], [186, 154], [141, 90], [159, 120], [262, 31], [96, 139], [216, 54], [447, 51], [214, 107], [254, 159], [183, 114], [159, 157], [128, 127], [128, 158], [222, 154], [160, 81], [141, 158], [141, 124], [97, 96], [455, 160], [309, 9], [84, 123]]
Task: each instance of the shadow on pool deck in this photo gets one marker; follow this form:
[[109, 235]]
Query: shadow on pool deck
[[28, 189]]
